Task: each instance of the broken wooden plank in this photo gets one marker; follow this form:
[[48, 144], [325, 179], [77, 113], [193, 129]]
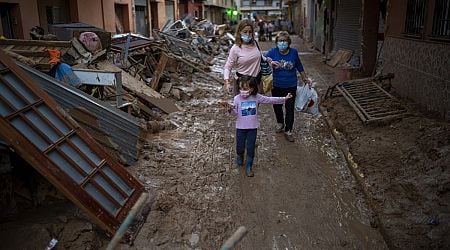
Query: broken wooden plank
[[139, 89], [164, 104], [190, 64], [21, 58], [40, 43], [159, 70]]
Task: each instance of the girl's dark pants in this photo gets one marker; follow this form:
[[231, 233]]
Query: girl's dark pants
[[287, 120], [246, 138]]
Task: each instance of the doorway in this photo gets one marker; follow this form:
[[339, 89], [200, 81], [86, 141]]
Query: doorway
[[10, 27], [122, 18], [155, 16], [141, 20]]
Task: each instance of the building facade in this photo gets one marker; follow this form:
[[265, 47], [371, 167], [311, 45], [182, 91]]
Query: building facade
[[417, 51], [216, 10], [261, 9], [410, 38], [115, 16]]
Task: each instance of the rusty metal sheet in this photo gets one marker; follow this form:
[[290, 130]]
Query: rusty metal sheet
[[63, 152]]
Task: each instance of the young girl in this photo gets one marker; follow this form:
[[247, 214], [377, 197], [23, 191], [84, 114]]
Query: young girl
[[245, 107]]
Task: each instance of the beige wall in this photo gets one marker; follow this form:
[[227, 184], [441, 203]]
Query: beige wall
[[27, 18], [161, 14], [90, 12]]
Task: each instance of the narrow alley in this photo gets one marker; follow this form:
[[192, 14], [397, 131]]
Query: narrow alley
[[116, 125], [303, 196]]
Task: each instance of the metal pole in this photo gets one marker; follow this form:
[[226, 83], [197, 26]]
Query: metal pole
[[127, 222], [235, 238]]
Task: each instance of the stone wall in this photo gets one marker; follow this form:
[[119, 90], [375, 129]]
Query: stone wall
[[422, 72]]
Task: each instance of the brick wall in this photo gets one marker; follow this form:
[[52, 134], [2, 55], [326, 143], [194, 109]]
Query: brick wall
[[422, 72]]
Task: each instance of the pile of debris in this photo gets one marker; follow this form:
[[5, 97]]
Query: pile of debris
[[112, 90]]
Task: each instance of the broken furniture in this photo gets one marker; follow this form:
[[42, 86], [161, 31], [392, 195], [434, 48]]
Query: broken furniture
[[59, 149], [370, 102], [101, 78], [34, 50], [183, 48], [67, 31]]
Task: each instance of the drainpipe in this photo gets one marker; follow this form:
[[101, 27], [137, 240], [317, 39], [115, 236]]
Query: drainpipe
[[149, 14], [103, 14], [133, 17]]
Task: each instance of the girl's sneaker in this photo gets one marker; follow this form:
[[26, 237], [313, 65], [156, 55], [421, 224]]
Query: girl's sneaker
[[250, 173]]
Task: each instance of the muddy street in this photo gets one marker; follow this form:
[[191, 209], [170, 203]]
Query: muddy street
[[302, 196]]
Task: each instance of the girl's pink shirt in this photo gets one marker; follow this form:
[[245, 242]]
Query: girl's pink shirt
[[245, 60]]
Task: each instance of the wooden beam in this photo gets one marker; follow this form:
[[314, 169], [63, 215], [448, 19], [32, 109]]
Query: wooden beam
[[36, 43], [159, 70]]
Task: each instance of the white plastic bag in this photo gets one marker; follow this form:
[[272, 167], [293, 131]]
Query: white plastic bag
[[313, 104], [307, 100], [303, 95]]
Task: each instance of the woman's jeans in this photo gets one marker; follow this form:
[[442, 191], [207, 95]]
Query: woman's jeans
[[245, 139], [289, 105]]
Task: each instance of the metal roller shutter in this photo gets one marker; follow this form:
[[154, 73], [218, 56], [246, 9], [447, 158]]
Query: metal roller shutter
[[348, 28]]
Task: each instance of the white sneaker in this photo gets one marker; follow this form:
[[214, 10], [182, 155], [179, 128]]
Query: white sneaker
[[279, 127], [289, 136]]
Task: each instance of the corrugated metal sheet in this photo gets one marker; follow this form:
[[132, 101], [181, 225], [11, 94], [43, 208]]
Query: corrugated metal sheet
[[348, 28], [123, 129], [64, 153]]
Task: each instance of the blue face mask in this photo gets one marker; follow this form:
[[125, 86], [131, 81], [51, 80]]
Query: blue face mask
[[246, 38], [282, 45]]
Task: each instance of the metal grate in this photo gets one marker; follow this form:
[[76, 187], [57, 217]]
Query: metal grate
[[370, 101], [441, 19], [415, 16]]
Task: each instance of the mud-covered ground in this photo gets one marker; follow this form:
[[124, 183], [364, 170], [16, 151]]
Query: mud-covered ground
[[303, 195], [406, 168]]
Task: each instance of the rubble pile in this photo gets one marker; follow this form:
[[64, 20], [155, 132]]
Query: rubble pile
[[115, 88]]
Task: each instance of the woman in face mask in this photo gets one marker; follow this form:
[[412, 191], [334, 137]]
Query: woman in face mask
[[285, 63], [244, 56]]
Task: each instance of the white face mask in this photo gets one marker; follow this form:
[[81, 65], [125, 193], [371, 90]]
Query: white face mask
[[244, 93]]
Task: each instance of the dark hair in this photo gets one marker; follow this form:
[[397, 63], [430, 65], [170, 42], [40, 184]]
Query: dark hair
[[242, 24], [249, 81]]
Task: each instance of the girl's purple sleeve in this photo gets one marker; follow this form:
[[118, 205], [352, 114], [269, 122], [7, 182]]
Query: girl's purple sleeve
[[270, 99]]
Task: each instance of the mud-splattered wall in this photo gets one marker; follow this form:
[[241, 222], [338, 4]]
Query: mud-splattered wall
[[422, 72]]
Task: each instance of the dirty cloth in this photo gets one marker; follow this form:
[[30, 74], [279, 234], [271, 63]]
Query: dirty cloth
[[64, 73], [91, 41]]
